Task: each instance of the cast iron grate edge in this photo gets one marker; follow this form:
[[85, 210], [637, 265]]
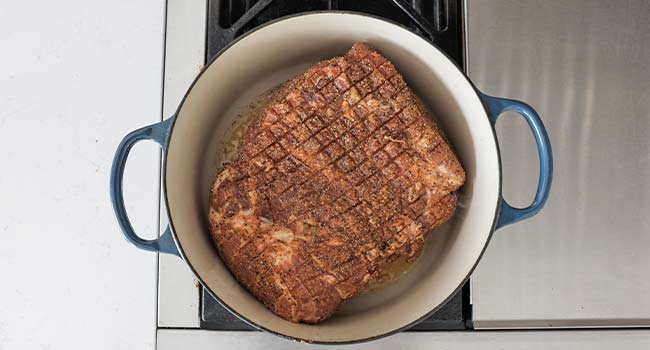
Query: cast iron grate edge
[[438, 21]]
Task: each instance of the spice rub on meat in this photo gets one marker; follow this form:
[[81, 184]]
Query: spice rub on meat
[[342, 172]]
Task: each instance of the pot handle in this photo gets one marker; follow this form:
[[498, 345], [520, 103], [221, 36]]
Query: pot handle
[[157, 132], [495, 107]]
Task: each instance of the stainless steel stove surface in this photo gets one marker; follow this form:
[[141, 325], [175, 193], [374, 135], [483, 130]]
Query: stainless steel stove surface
[[438, 21], [581, 263]]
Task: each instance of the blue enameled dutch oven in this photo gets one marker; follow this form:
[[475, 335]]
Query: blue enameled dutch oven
[[191, 141]]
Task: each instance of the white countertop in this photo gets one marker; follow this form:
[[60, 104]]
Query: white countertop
[[75, 77]]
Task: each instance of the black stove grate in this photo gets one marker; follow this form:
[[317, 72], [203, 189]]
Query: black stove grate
[[451, 316], [438, 21]]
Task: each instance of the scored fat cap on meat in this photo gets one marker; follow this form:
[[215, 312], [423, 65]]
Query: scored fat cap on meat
[[343, 171]]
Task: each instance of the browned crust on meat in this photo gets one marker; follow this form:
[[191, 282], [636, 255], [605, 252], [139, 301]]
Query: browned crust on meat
[[343, 171]]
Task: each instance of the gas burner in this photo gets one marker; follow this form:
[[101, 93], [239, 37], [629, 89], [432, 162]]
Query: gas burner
[[438, 21]]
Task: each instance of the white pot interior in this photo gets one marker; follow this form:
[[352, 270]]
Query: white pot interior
[[272, 55]]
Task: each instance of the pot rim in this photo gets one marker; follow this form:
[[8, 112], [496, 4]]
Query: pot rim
[[231, 309]]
